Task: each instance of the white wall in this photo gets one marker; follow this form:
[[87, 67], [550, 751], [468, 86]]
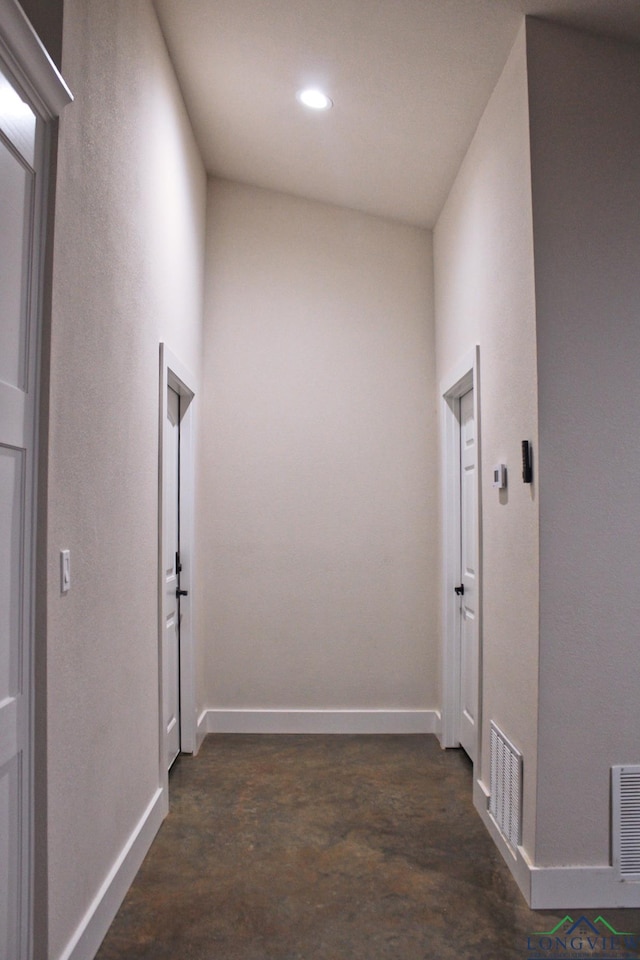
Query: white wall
[[484, 293], [318, 530], [585, 142], [128, 270]]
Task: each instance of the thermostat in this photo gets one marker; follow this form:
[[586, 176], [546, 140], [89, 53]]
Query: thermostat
[[500, 476]]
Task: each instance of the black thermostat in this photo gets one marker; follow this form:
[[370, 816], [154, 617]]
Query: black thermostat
[[527, 469]]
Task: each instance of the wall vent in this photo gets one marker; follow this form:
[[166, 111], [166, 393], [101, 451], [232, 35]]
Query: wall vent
[[625, 815], [505, 802]]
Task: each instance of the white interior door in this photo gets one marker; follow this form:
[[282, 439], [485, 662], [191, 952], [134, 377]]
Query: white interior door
[[175, 641], [171, 550], [469, 645], [18, 394]]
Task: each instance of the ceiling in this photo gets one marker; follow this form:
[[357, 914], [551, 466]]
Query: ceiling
[[409, 80]]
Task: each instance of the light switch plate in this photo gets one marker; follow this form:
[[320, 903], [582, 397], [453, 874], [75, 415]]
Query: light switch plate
[[65, 570], [499, 476]]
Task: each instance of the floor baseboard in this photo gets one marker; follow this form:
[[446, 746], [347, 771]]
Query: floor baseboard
[[553, 888], [319, 721], [93, 927]]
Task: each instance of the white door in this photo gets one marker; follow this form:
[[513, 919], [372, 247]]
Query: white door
[[467, 589], [171, 551], [18, 371]]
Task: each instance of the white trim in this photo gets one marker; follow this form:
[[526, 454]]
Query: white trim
[[188, 717], [591, 887], [517, 861], [572, 887], [29, 69], [464, 377], [24, 54], [93, 927], [319, 721], [201, 729], [173, 373]]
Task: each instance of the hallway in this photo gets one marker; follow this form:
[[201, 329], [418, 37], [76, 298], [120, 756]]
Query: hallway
[[325, 848]]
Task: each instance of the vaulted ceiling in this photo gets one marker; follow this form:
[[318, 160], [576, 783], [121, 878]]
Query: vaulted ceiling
[[409, 80]]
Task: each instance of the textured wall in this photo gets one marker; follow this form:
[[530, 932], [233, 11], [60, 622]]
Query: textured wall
[[585, 143], [128, 266], [319, 524], [484, 293]]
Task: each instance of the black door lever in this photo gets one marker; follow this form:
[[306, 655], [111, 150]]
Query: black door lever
[[181, 593], [460, 590]]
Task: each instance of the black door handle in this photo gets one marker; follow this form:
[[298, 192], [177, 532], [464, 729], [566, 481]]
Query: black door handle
[[460, 590], [181, 593]]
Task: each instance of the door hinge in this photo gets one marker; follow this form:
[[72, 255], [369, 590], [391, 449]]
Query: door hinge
[[178, 564]]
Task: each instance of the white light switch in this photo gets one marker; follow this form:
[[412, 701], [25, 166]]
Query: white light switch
[[65, 570], [500, 476]]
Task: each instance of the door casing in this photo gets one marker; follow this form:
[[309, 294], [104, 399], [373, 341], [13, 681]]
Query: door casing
[[467, 620], [174, 374], [32, 73], [464, 377], [171, 568]]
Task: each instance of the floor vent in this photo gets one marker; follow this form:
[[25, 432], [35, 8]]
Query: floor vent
[[625, 813], [505, 802]]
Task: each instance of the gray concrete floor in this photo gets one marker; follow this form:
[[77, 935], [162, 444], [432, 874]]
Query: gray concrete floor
[[326, 848]]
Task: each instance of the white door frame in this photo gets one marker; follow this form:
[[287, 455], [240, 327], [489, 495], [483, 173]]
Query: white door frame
[[174, 374], [31, 71], [464, 377]]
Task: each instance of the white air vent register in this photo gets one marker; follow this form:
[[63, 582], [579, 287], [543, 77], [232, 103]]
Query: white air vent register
[[625, 815], [505, 802]]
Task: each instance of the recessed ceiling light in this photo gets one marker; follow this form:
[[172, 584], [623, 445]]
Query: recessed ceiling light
[[315, 99]]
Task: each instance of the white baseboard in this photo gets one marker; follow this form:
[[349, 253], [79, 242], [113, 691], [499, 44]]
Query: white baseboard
[[517, 863], [92, 929], [201, 729], [319, 721], [559, 888], [597, 887]]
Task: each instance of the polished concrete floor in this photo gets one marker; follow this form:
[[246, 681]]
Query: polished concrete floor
[[325, 848]]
